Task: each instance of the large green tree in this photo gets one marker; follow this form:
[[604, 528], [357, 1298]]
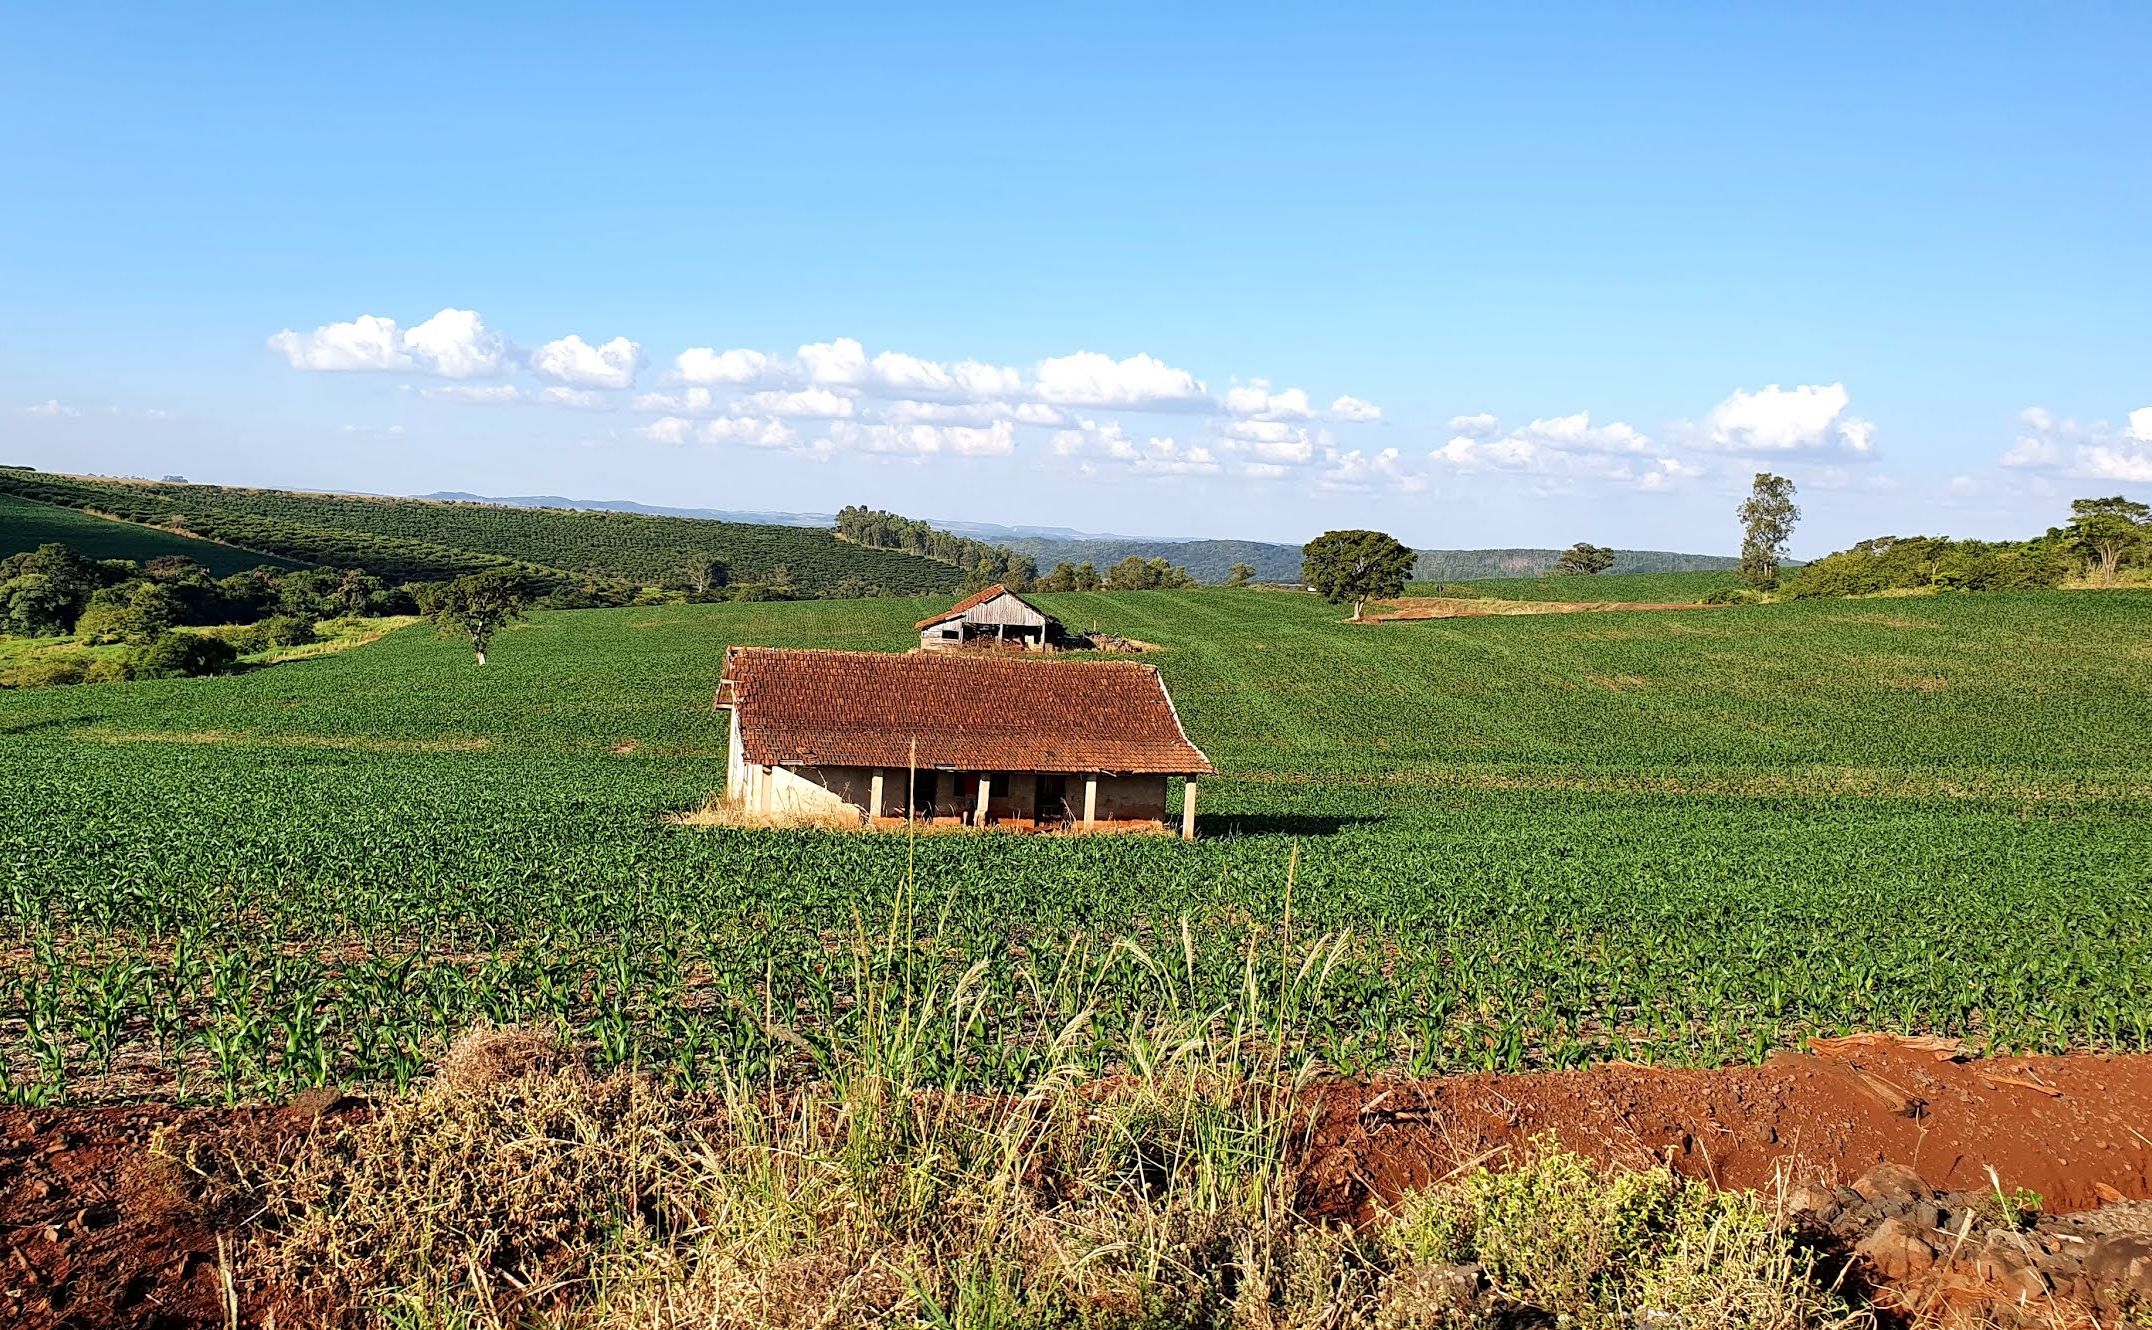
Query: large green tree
[[478, 605], [1585, 557], [1357, 566], [1767, 518], [2107, 533]]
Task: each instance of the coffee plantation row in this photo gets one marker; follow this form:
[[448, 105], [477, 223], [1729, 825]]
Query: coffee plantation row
[[1492, 843], [421, 540]]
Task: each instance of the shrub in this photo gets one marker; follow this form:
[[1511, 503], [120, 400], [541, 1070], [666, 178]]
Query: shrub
[[1736, 595], [51, 672], [279, 630], [109, 669], [183, 656]]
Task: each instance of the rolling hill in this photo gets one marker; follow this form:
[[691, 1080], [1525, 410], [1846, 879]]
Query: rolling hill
[[25, 525], [409, 540], [1213, 560]]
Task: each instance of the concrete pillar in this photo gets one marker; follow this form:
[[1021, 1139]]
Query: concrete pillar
[[764, 792], [1188, 811], [986, 782], [1090, 800], [874, 794]]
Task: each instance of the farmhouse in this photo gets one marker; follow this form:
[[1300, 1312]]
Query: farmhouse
[[955, 739], [995, 617]]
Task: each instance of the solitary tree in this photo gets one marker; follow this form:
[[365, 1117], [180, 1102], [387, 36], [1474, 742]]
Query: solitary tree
[[1767, 518], [2106, 532], [478, 605], [1240, 574], [1357, 566], [1585, 557]]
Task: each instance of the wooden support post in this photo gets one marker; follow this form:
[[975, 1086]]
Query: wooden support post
[[986, 782], [1090, 800], [874, 795], [1188, 811]]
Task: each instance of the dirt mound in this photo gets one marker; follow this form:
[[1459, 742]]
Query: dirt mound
[[103, 1223], [2065, 1127]]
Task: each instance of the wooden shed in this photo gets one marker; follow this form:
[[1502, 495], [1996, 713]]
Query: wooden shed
[[995, 617], [955, 739]]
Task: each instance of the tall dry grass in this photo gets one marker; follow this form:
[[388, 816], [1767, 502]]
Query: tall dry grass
[[519, 1189]]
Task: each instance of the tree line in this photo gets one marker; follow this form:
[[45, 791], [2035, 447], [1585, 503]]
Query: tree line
[[985, 564], [982, 564]]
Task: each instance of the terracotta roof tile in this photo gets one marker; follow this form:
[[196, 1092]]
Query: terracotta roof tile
[[967, 712]]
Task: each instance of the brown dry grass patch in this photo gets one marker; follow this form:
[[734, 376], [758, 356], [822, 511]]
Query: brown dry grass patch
[[1449, 607]]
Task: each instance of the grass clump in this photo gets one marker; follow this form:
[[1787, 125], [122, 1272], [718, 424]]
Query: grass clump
[[519, 1189], [1598, 1248]]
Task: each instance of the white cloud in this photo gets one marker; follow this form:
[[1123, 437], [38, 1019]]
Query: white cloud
[[1773, 419], [2098, 451], [807, 403], [456, 344], [906, 412], [1358, 472], [1264, 470], [996, 440], [1093, 438], [1271, 441], [482, 394], [52, 407], [1666, 473], [842, 362], [1355, 410], [2099, 462], [693, 402], [1553, 444], [573, 361], [453, 344], [368, 342], [1139, 383], [577, 399], [750, 431], [745, 430], [702, 364], [1256, 400]]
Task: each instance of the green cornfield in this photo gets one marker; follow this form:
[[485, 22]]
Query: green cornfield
[[1494, 843]]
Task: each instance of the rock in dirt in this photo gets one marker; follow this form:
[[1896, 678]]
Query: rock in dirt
[[2122, 1263], [1817, 1203], [1897, 1250], [1890, 1183]]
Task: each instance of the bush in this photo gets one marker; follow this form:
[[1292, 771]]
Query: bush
[[279, 630], [109, 669], [1736, 595], [51, 673], [183, 656]]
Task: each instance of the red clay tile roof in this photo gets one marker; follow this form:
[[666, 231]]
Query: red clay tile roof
[[967, 712], [973, 602]]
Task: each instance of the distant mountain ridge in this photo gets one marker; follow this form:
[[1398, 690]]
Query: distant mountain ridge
[[1206, 560], [1213, 560]]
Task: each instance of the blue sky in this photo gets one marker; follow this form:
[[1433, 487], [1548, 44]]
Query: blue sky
[[1496, 276]]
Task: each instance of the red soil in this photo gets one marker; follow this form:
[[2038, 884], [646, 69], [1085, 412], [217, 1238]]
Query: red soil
[[2070, 1128], [97, 1230]]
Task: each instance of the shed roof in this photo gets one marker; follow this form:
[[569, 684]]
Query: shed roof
[[974, 601], [967, 712]]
